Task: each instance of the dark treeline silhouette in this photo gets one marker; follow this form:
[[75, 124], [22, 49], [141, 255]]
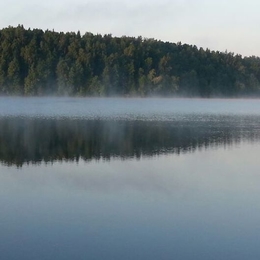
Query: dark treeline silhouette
[[35, 140], [36, 62]]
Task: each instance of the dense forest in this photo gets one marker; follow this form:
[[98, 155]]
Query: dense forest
[[37, 62]]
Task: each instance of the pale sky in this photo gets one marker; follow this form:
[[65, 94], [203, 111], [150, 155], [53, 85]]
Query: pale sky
[[231, 25]]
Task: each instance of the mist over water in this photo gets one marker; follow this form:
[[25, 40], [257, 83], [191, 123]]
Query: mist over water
[[125, 108], [129, 178]]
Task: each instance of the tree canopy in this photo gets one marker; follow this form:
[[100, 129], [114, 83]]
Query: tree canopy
[[37, 62]]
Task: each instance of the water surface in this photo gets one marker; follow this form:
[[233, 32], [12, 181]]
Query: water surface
[[129, 178]]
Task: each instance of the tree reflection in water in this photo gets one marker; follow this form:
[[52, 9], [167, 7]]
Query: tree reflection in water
[[36, 140]]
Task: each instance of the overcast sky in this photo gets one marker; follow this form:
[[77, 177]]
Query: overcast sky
[[231, 25]]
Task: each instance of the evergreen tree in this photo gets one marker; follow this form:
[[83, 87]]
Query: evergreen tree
[[36, 62]]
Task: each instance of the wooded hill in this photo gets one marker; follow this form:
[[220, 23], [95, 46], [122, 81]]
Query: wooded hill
[[37, 62]]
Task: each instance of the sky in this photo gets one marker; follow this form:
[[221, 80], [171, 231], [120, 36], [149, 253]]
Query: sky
[[224, 25]]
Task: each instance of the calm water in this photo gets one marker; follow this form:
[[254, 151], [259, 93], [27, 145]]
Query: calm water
[[129, 179]]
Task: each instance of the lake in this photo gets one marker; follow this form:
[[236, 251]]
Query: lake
[[119, 178]]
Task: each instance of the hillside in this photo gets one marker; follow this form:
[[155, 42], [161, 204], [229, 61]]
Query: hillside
[[37, 62]]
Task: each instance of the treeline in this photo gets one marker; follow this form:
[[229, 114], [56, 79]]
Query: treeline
[[36, 140], [36, 62]]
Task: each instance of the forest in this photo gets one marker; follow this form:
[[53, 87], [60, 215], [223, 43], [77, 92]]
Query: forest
[[34, 62]]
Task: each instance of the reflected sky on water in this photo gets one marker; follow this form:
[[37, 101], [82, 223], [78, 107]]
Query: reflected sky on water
[[77, 188]]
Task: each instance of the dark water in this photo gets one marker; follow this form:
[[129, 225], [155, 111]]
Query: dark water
[[129, 179]]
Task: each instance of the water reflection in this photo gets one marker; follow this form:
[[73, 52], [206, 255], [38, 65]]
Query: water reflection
[[36, 140], [186, 198]]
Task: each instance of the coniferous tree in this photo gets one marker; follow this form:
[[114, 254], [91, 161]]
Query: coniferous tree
[[36, 62]]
